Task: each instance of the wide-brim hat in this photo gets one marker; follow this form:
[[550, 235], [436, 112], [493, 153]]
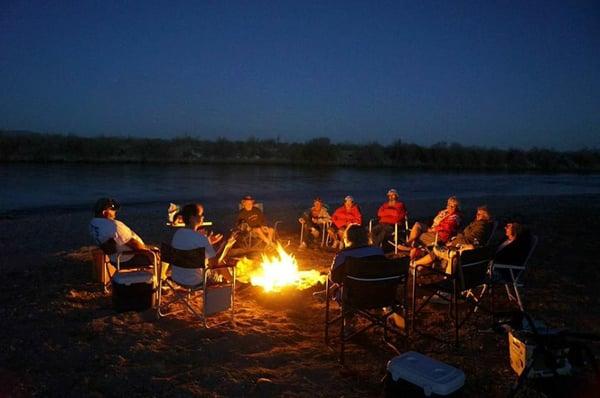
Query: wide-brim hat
[[248, 197], [350, 198], [392, 191]]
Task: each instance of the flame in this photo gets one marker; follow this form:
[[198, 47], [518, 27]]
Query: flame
[[277, 272]]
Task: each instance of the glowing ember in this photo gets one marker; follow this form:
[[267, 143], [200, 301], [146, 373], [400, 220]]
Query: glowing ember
[[279, 271]]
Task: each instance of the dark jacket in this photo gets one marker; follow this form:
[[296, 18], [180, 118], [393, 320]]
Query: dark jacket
[[476, 233]]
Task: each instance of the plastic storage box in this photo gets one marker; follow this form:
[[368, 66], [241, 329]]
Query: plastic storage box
[[133, 290], [412, 375]]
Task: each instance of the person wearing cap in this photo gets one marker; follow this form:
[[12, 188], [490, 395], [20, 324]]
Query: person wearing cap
[[390, 213], [313, 218], [252, 218], [104, 226], [345, 215], [445, 224]]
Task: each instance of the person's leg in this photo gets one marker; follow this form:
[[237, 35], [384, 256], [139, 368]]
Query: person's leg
[[377, 235], [416, 230], [425, 260], [261, 235]]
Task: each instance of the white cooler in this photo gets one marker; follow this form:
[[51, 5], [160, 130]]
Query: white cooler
[[414, 374]]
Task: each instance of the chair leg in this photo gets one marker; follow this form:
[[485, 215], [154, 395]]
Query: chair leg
[[414, 297], [456, 320], [518, 296], [342, 337]]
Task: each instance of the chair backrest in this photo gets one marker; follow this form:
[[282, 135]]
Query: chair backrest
[[372, 282], [532, 245], [488, 239], [472, 267], [109, 247], [193, 258]]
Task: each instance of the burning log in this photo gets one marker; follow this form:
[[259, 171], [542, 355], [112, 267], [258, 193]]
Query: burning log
[[277, 272]]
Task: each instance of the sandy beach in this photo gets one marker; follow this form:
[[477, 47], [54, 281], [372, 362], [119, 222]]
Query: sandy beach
[[61, 337]]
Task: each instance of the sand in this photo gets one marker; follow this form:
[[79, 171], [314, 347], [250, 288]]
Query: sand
[[61, 337]]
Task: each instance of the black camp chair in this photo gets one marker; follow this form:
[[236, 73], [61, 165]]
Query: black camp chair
[[469, 273], [511, 276], [215, 298], [369, 291]]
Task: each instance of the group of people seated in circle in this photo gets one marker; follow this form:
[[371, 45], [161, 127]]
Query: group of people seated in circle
[[443, 233]]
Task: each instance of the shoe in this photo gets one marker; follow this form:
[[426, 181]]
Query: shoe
[[302, 246], [397, 321]]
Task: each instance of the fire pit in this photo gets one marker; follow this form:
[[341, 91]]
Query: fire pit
[[275, 273]]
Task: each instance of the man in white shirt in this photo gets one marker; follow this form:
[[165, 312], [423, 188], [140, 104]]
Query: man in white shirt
[[104, 226], [189, 238]]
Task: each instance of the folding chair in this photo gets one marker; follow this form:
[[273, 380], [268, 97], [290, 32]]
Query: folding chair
[[469, 272], [216, 298], [324, 236], [247, 237], [369, 291], [111, 268], [512, 275], [396, 233]]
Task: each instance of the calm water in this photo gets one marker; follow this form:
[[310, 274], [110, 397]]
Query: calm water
[[34, 186]]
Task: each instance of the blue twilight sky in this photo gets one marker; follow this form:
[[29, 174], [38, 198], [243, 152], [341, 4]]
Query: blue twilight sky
[[498, 73]]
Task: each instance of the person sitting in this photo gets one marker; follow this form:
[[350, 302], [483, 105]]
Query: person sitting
[[444, 226], [389, 213], [474, 235], [251, 218], [104, 227], [514, 249], [348, 213], [356, 240], [189, 238], [313, 218]]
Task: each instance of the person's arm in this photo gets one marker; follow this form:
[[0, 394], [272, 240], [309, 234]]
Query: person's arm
[[135, 244]]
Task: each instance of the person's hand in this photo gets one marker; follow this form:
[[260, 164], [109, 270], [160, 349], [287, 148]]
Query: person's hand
[[212, 239], [315, 220], [301, 220]]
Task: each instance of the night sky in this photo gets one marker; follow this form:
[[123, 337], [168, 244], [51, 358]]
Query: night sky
[[504, 74]]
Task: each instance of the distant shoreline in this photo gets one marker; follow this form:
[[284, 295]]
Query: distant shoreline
[[30, 147]]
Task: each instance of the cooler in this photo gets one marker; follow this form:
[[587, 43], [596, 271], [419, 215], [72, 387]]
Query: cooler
[[416, 375], [133, 290]]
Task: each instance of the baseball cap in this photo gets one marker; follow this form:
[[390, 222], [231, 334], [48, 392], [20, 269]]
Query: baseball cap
[[392, 191], [106, 203], [350, 198]]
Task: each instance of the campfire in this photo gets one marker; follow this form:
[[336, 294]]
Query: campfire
[[277, 272]]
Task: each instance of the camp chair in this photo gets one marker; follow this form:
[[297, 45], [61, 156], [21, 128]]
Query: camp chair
[[111, 268], [396, 233], [469, 272], [324, 235], [369, 291], [247, 237], [215, 298], [512, 276]]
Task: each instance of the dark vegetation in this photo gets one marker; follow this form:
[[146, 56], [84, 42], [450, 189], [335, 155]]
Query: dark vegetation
[[34, 147]]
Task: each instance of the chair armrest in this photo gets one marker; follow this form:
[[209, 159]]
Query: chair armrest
[[508, 266]]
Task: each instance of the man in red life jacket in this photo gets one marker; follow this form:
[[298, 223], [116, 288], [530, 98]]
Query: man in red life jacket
[[343, 216], [389, 213]]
